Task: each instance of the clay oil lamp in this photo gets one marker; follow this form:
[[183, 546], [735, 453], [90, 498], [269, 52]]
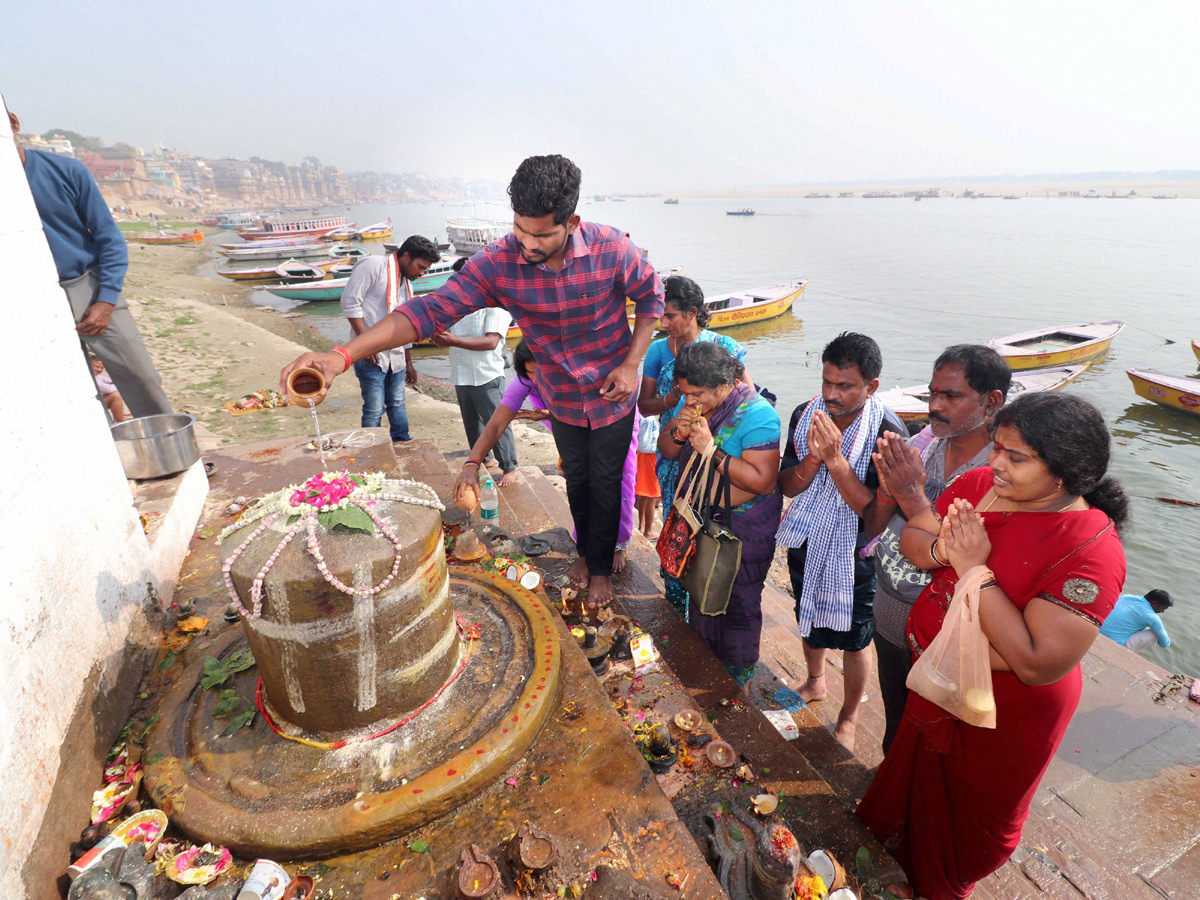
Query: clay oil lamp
[[688, 720], [478, 876], [720, 754]]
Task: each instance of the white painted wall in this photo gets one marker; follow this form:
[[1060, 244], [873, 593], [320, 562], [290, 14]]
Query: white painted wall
[[74, 563]]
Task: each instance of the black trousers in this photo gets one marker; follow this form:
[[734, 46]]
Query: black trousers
[[593, 462], [894, 663]]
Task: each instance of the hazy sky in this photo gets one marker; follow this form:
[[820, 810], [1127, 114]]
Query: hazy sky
[[644, 96]]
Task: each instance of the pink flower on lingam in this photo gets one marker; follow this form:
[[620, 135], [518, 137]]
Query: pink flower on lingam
[[324, 491]]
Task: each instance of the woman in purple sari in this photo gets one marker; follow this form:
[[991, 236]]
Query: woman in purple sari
[[717, 406]]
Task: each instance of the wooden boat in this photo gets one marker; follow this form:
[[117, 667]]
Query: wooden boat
[[1061, 346], [469, 234], [342, 270], [435, 276], [330, 289], [270, 273], [743, 307], [911, 404], [166, 237], [740, 212], [1180, 392], [276, 242], [349, 251], [1196, 348], [377, 232], [254, 252], [293, 271], [296, 226]]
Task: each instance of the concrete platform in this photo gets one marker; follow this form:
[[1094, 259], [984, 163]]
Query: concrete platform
[[1118, 813]]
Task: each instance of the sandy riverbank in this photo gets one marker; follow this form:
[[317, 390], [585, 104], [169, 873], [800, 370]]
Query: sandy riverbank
[[212, 346]]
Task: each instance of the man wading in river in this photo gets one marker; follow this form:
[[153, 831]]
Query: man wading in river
[[565, 282]]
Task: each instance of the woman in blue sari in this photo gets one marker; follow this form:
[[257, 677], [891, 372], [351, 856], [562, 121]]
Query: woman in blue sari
[[717, 406], [684, 317]]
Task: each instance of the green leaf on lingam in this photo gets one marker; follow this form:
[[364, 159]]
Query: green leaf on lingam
[[359, 480], [862, 864], [218, 671], [228, 702], [351, 517], [240, 721], [419, 847], [291, 520]]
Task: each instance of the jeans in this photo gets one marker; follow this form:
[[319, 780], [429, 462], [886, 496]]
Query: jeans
[[477, 403], [382, 390], [593, 462]]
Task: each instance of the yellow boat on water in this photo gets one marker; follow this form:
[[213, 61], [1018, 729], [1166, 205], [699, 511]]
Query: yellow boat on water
[[1062, 346], [753, 305], [1176, 391], [380, 231]]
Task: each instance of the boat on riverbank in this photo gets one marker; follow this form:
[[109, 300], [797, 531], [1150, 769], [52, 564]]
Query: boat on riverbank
[[167, 237], [296, 226], [277, 242], [911, 404], [270, 273], [1181, 392], [314, 291], [740, 212], [240, 219], [469, 234], [435, 276], [378, 232], [296, 251], [1065, 345]]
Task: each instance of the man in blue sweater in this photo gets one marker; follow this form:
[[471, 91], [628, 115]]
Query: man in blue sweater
[[1135, 621], [90, 255]]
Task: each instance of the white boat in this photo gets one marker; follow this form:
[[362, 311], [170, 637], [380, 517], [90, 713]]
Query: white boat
[[252, 251], [296, 226], [237, 220], [349, 251], [911, 404], [278, 242], [470, 235], [294, 271]]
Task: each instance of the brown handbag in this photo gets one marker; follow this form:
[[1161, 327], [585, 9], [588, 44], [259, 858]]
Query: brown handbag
[[718, 553]]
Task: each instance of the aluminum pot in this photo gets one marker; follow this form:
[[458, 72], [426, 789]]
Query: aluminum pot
[[156, 446]]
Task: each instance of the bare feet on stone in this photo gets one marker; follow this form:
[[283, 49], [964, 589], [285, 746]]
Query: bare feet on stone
[[843, 733], [578, 575], [620, 558], [600, 592], [813, 690]]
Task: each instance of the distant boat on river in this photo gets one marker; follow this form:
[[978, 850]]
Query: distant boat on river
[[1065, 345], [747, 211], [672, 201]]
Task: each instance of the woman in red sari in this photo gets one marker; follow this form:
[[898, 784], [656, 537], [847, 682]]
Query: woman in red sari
[[950, 798]]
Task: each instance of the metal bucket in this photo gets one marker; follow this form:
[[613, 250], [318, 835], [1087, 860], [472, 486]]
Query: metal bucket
[[156, 446]]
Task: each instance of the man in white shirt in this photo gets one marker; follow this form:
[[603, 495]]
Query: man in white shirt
[[476, 345], [377, 285]]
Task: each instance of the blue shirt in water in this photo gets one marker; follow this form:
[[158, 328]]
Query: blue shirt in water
[[1131, 615], [78, 225]]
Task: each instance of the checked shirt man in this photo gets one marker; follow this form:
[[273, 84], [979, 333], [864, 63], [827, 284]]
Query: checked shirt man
[[565, 283]]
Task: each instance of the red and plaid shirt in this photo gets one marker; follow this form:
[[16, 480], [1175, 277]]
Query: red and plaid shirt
[[574, 320]]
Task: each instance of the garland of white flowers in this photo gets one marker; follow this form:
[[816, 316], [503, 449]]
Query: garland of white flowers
[[323, 500]]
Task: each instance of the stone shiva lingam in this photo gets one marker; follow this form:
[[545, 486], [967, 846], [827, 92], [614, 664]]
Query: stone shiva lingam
[[388, 690]]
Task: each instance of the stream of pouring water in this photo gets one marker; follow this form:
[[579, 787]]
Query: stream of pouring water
[[312, 408]]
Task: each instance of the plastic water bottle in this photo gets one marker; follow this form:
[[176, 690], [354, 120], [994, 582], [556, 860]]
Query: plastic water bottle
[[489, 502]]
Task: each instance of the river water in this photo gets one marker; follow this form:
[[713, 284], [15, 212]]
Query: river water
[[918, 276]]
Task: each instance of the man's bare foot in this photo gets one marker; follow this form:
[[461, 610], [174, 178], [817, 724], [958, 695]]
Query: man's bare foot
[[813, 690], [578, 575], [620, 558], [650, 535], [509, 478], [600, 592], [843, 733]]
